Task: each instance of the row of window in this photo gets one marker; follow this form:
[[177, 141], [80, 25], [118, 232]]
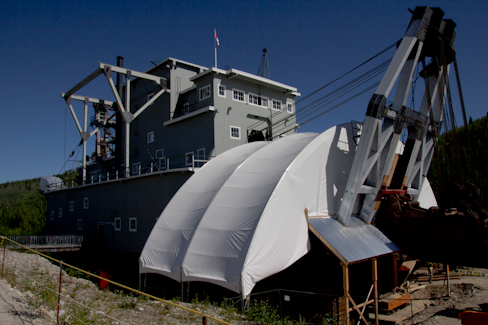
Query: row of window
[[240, 96], [161, 162], [117, 223]]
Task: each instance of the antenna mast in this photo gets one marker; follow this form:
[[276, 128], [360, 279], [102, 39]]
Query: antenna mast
[[264, 67]]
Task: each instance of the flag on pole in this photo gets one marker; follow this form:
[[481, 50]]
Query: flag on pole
[[217, 39]]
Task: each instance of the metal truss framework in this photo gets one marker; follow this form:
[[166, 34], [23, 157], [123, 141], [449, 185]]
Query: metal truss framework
[[124, 110], [375, 161]]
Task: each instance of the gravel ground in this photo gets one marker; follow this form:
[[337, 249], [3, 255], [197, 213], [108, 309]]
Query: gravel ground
[[467, 293], [29, 292], [28, 295]]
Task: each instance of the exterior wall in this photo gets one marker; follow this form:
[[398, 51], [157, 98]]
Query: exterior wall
[[174, 140], [142, 197], [236, 113], [206, 132]]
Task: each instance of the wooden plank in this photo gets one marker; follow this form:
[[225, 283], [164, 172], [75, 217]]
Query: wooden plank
[[404, 313], [394, 301]]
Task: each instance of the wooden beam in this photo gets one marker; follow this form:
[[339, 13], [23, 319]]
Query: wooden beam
[[374, 263], [357, 309], [345, 286]]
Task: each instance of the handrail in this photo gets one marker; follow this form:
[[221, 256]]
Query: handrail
[[113, 282], [159, 165]]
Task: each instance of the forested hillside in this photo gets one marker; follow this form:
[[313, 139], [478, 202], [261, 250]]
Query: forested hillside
[[459, 163], [22, 206]]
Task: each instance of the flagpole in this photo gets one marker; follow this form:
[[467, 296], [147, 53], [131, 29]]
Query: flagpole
[[215, 45]]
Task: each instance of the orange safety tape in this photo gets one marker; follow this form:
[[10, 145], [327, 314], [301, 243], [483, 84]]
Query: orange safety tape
[[118, 284]]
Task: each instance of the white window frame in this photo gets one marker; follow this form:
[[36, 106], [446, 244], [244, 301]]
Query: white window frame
[[136, 168], [52, 215], [119, 220], [86, 203], [267, 102], [186, 108], [225, 91], [289, 108], [162, 163], [234, 91], [238, 128], [150, 137], [250, 98], [204, 92], [150, 96], [130, 225], [201, 153], [72, 205], [187, 161], [159, 153], [276, 102], [79, 224]]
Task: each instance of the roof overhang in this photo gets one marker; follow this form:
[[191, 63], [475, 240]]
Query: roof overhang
[[238, 74], [353, 244]]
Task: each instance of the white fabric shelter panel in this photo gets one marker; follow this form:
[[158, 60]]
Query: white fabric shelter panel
[[167, 244], [220, 244]]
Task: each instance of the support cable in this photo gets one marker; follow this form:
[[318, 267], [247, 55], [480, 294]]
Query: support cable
[[337, 79], [339, 92]]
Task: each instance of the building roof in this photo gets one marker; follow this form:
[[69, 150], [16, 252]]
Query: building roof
[[238, 74]]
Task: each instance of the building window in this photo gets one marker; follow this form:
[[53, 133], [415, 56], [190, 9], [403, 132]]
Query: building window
[[72, 205], [186, 108], [60, 212], [79, 224], [238, 95], [52, 215], [136, 168], [189, 158], [204, 92], [276, 105], [85, 203], [264, 102], [159, 153], [150, 137], [133, 224], [117, 224], [235, 132], [201, 153], [253, 99], [289, 108], [221, 90]]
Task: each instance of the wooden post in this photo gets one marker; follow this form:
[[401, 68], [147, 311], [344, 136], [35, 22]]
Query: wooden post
[[395, 270], [344, 301], [448, 283], [4, 249], [375, 284], [59, 294]]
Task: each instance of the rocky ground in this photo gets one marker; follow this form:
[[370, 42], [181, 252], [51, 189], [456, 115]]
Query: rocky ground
[[28, 295], [467, 293]]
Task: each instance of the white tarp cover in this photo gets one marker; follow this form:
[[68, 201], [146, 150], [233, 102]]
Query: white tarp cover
[[167, 244], [50, 182], [221, 242], [255, 225]]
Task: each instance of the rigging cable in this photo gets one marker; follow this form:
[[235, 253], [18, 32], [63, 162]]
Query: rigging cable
[[338, 93], [328, 84]]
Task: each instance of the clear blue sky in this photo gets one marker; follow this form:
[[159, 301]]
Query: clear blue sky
[[47, 47]]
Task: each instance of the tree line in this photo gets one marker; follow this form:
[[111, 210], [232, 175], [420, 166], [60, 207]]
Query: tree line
[[22, 207], [458, 160]]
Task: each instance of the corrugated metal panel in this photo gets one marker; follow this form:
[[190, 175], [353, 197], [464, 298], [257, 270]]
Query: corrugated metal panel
[[359, 241]]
